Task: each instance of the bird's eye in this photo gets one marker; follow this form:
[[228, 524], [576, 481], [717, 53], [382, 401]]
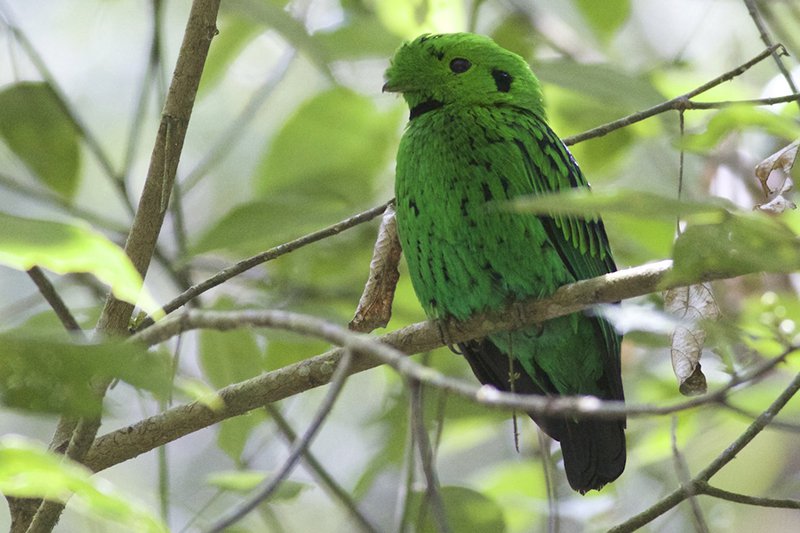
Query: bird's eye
[[459, 65]]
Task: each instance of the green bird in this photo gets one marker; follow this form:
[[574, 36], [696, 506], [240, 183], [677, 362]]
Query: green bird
[[477, 137]]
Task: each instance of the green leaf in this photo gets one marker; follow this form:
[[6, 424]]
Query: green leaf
[[199, 391], [347, 41], [27, 470], [66, 248], [609, 85], [246, 481], [516, 33], [38, 131], [585, 203], [605, 17], [273, 15], [259, 225], [235, 33], [737, 245], [230, 357], [331, 148], [738, 118], [465, 510], [41, 374]]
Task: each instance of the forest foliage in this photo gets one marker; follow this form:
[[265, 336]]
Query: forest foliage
[[289, 135]]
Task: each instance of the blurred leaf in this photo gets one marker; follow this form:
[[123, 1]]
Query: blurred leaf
[[246, 481], [27, 470], [199, 391], [608, 85], [230, 357], [234, 433], [66, 248], [409, 19], [39, 132], [572, 112], [259, 225], [273, 15], [739, 244], [347, 41], [235, 33], [516, 33], [738, 118], [691, 305], [465, 510], [285, 348], [331, 148], [605, 17], [585, 203], [41, 374]]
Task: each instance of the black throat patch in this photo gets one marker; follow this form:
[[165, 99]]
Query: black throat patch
[[424, 107]]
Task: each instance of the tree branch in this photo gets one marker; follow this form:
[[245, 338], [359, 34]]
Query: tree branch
[[299, 447], [273, 253], [716, 465], [269, 387], [141, 243], [677, 103]]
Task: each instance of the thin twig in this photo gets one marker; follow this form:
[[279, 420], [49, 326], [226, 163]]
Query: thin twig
[[238, 398], [767, 40], [709, 490], [680, 494], [405, 487], [776, 424], [273, 253], [685, 479], [679, 102], [54, 299], [149, 217], [300, 446], [432, 493], [322, 475], [553, 517]]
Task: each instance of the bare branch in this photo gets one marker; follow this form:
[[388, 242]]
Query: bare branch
[[273, 253], [54, 299], [670, 501], [677, 103], [141, 243], [709, 490], [298, 448], [272, 386], [752, 8], [321, 474]]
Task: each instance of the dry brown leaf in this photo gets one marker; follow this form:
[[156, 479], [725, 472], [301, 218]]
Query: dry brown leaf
[[375, 306], [691, 305], [782, 160]]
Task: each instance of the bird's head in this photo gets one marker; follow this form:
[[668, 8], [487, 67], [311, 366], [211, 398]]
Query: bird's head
[[463, 69]]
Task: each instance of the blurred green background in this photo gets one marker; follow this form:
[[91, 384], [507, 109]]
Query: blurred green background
[[290, 132]]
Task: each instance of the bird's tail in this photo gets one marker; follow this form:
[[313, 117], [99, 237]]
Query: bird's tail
[[593, 450]]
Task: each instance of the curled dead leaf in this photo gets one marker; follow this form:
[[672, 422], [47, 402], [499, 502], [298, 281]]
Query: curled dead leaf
[[691, 305], [375, 306], [783, 160]]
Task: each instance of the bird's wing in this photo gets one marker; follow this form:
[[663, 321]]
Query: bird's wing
[[581, 243]]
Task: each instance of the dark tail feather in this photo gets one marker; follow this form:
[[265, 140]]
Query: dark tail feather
[[593, 450]]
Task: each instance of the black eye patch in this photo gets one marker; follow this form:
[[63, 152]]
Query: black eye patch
[[502, 80], [459, 65]]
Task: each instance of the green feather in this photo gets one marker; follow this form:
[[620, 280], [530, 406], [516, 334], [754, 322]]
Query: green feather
[[478, 137]]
